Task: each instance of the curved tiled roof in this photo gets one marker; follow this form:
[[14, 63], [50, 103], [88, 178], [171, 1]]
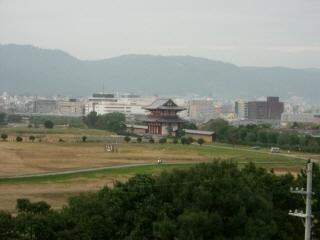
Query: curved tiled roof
[[164, 104]]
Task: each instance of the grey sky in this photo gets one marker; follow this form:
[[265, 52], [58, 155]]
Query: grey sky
[[244, 32]]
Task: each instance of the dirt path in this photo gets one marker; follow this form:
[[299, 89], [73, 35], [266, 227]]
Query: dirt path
[[86, 170]]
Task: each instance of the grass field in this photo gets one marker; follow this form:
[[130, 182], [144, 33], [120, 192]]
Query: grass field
[[28, 158], [60, 131]]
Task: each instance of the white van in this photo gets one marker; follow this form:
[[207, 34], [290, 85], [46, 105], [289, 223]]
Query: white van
[[275, 150]]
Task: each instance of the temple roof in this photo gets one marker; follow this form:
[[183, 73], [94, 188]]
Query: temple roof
[[164, 120], [164, 104]]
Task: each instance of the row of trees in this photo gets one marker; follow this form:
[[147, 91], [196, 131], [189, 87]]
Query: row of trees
[[208, 201], [5, 136], [182, 140], [114, 122], [262, 135], [36, 121], [9, 118]]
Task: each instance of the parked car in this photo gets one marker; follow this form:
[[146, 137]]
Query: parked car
[[275, 150]]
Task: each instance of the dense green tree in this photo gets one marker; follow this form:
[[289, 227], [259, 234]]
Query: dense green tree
[[163, 140], [7, 227], [3, 117], [220, 127], [294, 139], [263, 136], [180, 133], [200, 141], [208, 201], [48, 124], [114, 122], [127, 139], [139, 139], [4, 136], [189, 125], [19, 139], [251, 137], [13, 118], [273, 137], [283, 139], [91, 119], [232, 135], [242, 133]]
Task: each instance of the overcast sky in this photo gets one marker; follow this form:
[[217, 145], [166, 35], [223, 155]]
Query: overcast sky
[[244, 32]]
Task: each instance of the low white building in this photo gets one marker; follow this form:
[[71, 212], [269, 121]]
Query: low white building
[[109, 103], [287, 118]]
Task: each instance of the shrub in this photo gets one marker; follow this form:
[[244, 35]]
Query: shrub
[[139, 139], [190, 140], [127, 139], [4, 136], [183, 140], [19, 139], [32, 138], [61, 140], [151, 140], [200, 141], [84, 138], [163, 140], [175, 141]]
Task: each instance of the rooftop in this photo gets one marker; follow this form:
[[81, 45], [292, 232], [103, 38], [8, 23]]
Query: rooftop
[[164, 104]]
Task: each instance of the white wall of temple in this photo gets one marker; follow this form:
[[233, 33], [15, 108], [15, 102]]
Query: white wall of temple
[[164, 130]]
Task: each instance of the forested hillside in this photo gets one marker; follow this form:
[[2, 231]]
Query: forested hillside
[[31, 70]]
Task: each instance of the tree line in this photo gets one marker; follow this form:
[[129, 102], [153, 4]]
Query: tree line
[[207, 201], [262, 135], [114, 122]]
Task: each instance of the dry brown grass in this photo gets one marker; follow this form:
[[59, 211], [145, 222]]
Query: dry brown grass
[[29, 158], [56, 194]]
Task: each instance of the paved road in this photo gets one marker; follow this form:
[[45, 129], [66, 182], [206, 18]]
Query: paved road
[[78, 171]]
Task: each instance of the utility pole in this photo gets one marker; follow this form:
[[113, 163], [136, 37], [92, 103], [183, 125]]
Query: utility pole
[[308, 193]]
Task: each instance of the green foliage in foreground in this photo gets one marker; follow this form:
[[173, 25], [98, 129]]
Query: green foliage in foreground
[[208, 201]]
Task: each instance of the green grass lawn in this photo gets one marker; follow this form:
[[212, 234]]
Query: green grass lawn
[[237, 153], [111, 173]]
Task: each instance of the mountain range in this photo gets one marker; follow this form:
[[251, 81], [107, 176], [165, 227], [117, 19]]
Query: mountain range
[[26, 69]]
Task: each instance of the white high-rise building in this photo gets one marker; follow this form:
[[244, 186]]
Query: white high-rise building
[[201, 110], [241, 109]]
